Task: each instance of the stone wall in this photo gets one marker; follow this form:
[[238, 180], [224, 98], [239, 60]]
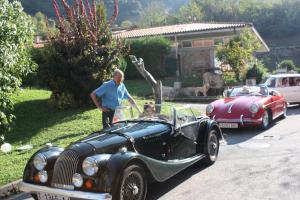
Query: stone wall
[[276, 55], [196, 61]]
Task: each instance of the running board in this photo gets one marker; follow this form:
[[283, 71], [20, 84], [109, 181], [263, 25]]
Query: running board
[[163, 170]]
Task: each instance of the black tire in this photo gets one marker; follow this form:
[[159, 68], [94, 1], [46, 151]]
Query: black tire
[[133, 184], [211, 148], [34, 196], [283, 116], [266, 120]]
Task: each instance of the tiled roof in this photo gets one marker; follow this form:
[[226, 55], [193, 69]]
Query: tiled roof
[[176, 29]]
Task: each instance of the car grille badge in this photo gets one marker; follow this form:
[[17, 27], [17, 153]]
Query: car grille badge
[[229, 109]]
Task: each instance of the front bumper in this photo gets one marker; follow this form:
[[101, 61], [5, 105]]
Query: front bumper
[[31, 188], [242, 120]]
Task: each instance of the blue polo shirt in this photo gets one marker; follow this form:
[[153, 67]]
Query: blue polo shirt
[[112, 94]]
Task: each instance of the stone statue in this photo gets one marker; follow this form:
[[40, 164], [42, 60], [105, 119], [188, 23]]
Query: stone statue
[[156, 85]]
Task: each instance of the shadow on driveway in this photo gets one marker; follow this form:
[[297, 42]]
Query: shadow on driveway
[[157, 190]]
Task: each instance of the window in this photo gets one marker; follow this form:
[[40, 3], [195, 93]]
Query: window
[[186, 44], [283, 82], [294, 81], [197, 43], [271, 82]]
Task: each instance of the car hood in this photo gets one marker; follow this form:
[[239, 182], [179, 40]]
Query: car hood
[[236, 105], [112, 139]]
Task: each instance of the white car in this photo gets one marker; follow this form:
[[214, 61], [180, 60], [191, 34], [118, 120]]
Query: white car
[[287, 84]]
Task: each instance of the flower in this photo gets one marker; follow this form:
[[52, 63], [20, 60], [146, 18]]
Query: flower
[[6, 148]]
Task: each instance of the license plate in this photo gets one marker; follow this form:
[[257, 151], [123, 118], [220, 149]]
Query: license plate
[[47, 196], [228, 125]]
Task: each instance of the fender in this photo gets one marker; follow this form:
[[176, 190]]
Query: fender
[[159, 170], [205, 126], [52, 154]]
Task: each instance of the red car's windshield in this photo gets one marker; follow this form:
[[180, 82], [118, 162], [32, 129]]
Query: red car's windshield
[[249, 91]]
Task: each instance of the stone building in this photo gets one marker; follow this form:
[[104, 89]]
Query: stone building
[[195, 43]]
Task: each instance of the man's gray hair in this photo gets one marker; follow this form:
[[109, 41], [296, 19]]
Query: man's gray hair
[[118, 72]]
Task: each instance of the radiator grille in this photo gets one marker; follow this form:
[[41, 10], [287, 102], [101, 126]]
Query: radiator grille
[[64, 168]]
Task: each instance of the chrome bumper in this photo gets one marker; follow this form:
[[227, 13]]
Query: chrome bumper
[[241, 120], [31, 188]]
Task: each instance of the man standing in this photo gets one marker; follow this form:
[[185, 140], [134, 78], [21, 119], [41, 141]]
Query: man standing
[[111, 93]]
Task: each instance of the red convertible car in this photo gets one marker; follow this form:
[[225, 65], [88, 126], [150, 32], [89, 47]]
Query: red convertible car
[[248, 106]]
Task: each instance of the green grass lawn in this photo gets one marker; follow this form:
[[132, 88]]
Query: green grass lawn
[[37, 123]]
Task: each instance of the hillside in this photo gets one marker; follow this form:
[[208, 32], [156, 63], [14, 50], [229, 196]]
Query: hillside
[[129, 9], [275, 20]]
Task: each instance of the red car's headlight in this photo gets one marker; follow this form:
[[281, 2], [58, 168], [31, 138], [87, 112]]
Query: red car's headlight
[[209, 108], [254, 108]]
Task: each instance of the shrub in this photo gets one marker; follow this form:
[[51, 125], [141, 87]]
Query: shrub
[[229, 78], [288, 64], [153, 50], [82, 55], [257, 71], [34, 77], [16, 36]]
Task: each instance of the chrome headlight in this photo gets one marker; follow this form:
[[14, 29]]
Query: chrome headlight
[[77, 180], [254, 108], [39, 161], [209, 108], [43, 176], [90, 166]]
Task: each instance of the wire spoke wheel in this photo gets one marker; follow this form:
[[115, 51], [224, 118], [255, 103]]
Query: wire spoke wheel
[[212, 147], [133, 184]]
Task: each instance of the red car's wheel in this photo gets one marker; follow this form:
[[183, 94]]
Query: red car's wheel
[[284, 112], [266, 120]]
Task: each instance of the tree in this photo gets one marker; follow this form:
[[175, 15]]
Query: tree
[[126, 24], [153, 15], [42, 26], [238, 52], [83, 54], [190, 13], [16, 36]]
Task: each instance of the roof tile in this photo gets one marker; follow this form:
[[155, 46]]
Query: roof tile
[[175, 29]]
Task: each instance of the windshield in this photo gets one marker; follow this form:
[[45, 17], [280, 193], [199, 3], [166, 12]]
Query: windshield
[[164, 113], [249, 91], [150, 112], [270, 82]]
